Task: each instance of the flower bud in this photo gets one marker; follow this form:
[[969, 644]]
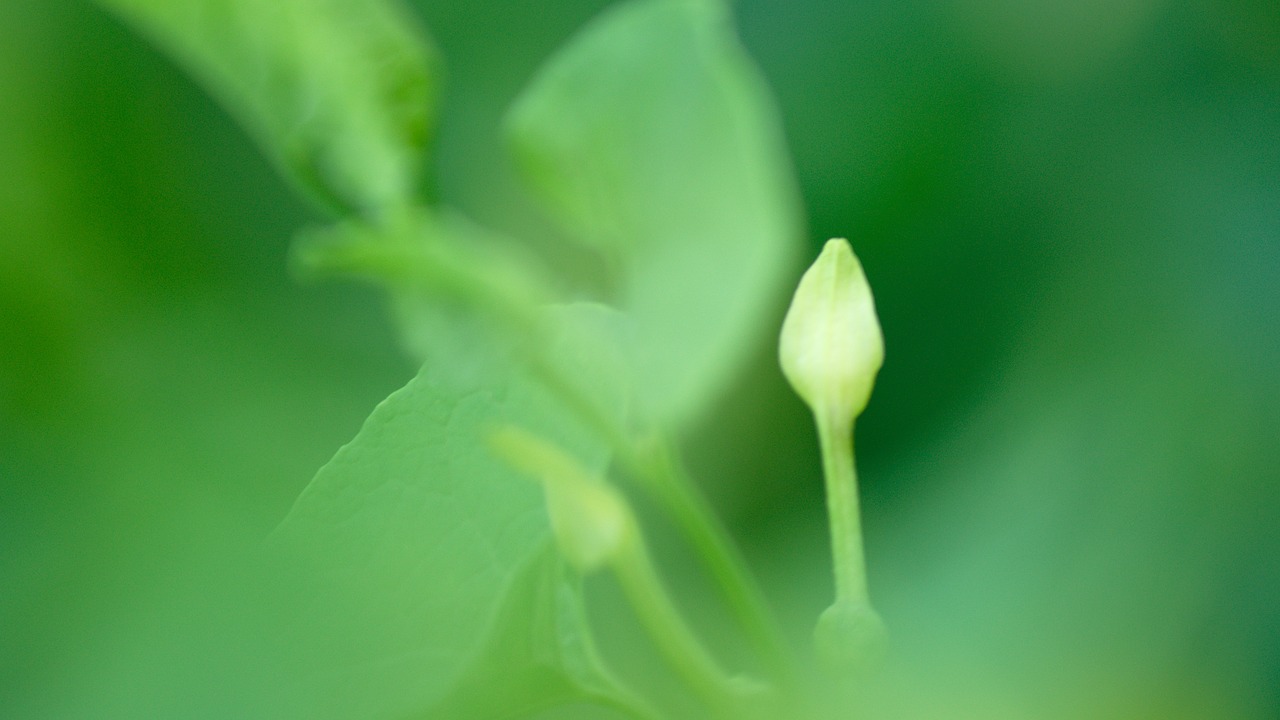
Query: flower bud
[[831, 346], [591, 521], [850, 637]]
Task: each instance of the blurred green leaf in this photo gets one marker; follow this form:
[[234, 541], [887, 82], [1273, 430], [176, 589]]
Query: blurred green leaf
[[538, 654], [338, 92], [418, 530], [652, 137]]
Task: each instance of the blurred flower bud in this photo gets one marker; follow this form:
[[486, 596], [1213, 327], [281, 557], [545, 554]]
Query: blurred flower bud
[[831, 346], [591, 521], [850, 637]]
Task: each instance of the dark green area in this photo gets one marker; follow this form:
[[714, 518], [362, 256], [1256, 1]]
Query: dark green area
[[1070, 216]]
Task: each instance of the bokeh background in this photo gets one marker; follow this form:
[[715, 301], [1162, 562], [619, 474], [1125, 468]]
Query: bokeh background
[[1070, 215]]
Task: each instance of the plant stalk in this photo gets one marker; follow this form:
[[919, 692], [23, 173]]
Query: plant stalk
[[671, 485], [664, 477], [672, 636], [847, 553]]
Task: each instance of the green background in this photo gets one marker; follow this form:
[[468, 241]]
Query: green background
[[1069, 213]]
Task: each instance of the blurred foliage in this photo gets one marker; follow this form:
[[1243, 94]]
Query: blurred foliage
[[1070, 216], [653, 137], [339, 92]]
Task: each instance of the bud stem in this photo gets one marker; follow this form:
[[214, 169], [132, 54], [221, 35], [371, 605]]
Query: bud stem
[[667, 478], [672, 636], [849, 562]]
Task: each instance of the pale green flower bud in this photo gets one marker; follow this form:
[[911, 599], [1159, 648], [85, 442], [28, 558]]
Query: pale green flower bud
[[591, 521], [850, 636], [831, 346]]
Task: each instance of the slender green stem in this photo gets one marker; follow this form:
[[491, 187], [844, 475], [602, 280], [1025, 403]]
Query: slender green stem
[[663, 476], [671, 484], [847, 555], [672, 636]]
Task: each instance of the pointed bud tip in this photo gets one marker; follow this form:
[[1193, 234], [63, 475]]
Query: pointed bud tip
[[838, 246]]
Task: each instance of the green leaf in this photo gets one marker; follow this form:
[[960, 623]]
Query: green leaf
[[338, 92], [539, 653], [652, 137], [414, 531]]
